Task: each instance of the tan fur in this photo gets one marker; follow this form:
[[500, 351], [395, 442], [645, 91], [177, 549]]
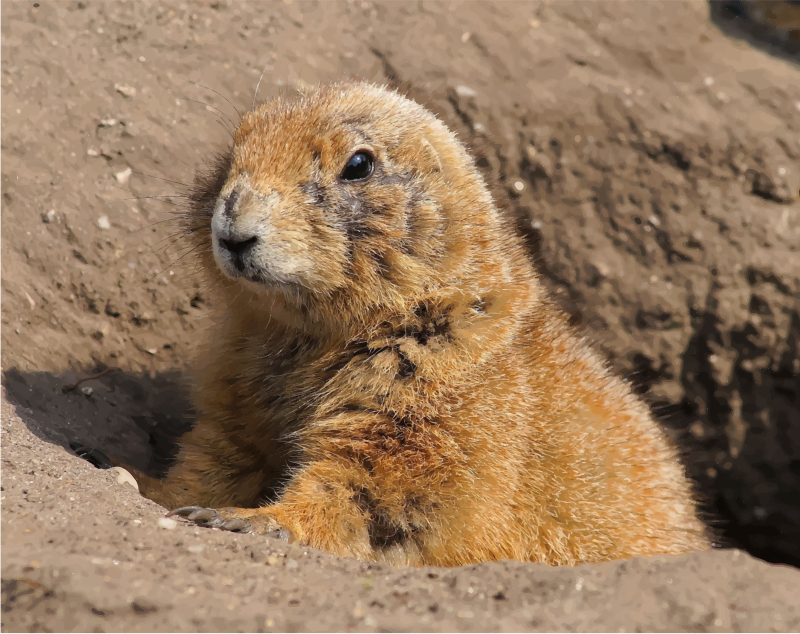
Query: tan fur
[[395, 383]]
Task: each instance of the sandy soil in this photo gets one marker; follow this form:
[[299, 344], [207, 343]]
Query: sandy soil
[[83, 552], [653, 163]]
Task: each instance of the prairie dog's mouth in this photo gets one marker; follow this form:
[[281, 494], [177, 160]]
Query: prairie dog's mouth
[[236, 241], [247, 243]]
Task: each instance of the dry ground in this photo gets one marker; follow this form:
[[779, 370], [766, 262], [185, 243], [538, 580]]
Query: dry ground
[[653, 164]]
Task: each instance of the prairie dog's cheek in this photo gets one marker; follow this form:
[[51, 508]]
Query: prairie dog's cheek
[[308, 251]]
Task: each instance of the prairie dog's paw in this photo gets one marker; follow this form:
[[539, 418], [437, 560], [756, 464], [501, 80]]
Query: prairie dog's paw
[[236, 520], [212, 518]]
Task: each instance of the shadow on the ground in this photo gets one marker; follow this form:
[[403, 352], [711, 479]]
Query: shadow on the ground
[[133, 417]]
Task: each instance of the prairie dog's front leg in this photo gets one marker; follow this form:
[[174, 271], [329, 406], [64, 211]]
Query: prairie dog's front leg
[[371, 487], [333, 506], [208, 471]]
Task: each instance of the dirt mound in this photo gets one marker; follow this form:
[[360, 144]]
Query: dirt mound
[[83, 552], [652, 162]]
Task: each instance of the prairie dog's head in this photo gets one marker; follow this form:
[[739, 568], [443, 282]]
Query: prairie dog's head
[[350, 195]]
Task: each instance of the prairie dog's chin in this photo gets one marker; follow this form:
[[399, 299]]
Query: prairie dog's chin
[[251, 277]]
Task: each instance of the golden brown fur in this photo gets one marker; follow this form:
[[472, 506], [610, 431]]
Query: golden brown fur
[[387, 378]]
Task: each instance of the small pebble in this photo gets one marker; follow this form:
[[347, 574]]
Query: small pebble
[[198, 548], [123, 176], [124, 477], [103, 222], [87, 391], [125, 90], [47, 218], [465, 91], [167, 522]]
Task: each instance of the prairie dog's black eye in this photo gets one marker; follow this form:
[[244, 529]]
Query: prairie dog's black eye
[[359, 167]]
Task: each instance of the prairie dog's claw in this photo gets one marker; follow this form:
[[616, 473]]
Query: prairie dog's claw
[[184, 511], [283, 534], [236, 524], [203, 515], [210, 518]]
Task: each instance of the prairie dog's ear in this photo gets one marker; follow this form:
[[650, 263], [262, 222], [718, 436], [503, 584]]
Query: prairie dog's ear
[[431, 154]]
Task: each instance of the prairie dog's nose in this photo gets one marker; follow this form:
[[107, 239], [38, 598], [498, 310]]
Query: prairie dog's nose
[[238, 249]]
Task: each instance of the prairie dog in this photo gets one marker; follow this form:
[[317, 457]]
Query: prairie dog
[[387, 378]]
